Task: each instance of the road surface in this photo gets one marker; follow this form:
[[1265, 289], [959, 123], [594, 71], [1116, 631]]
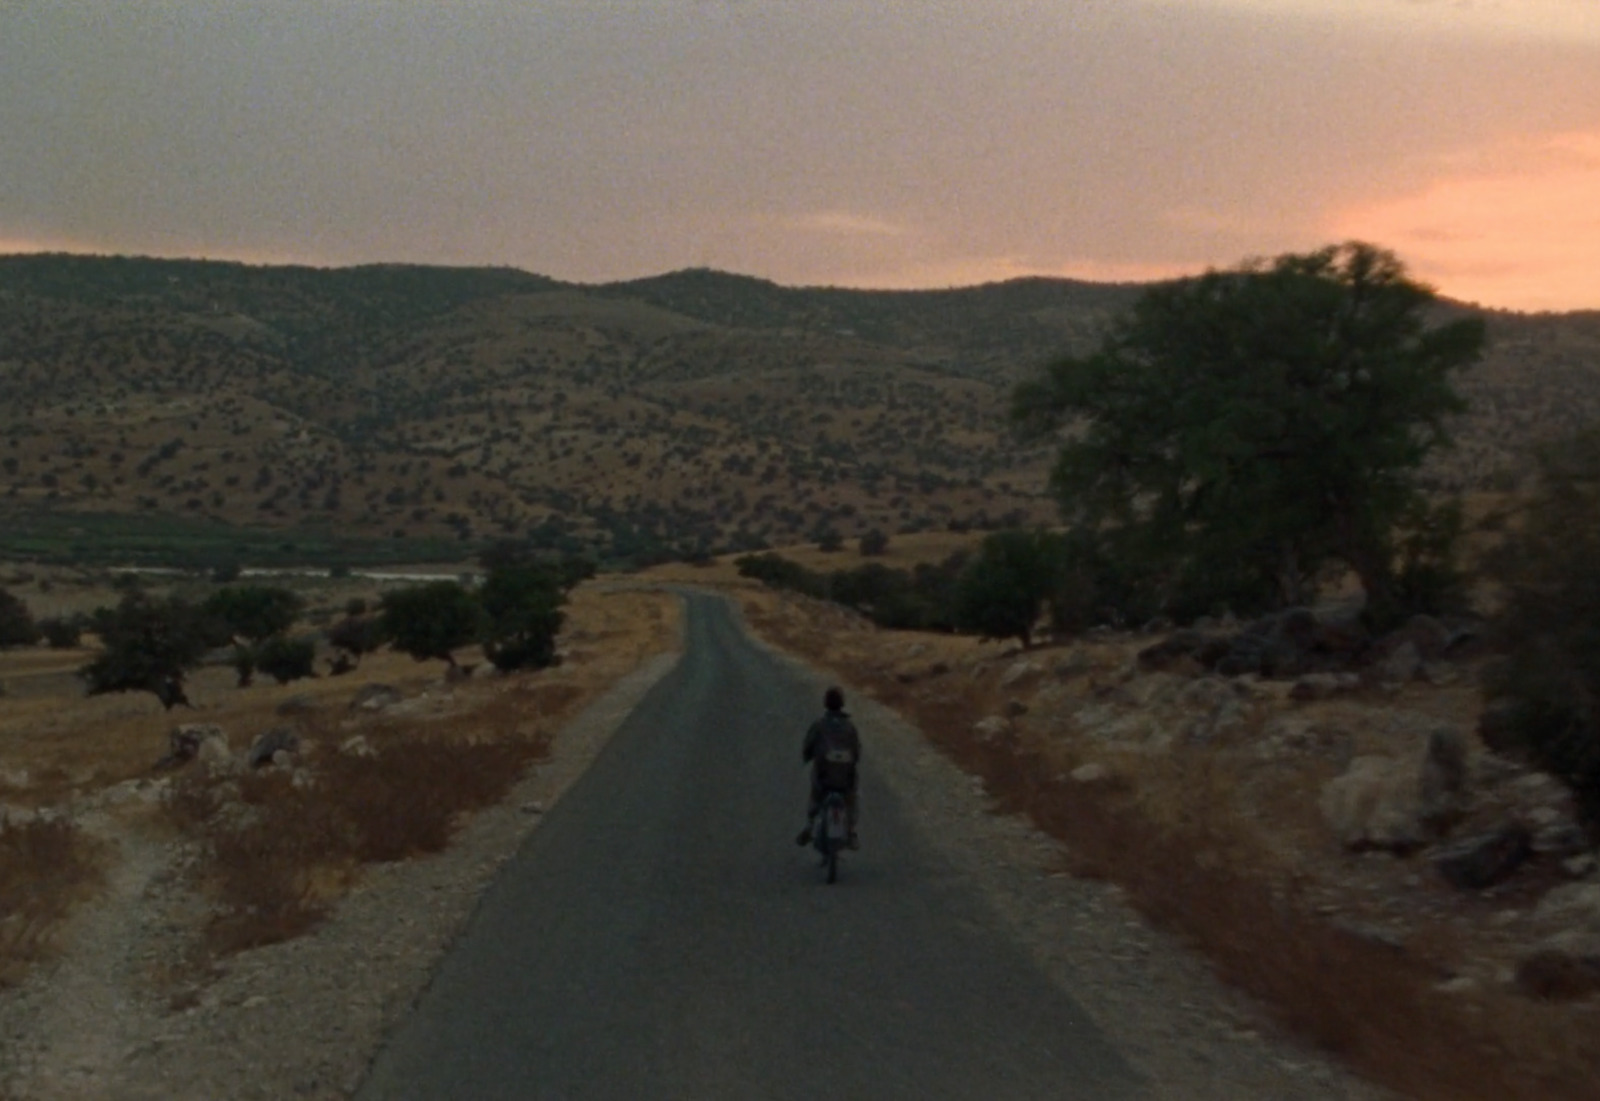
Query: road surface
[[661, 936]]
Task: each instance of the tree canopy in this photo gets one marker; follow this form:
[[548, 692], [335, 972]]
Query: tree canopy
[[523, 605], [1002, 592], [148, 647], [1236, 432], [431, 620], [255, 612]]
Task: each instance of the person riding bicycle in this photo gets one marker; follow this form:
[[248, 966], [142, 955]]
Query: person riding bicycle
[[833, 749]]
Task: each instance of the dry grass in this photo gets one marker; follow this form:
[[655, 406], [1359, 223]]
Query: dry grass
[[277, 852], [45, 868], [1186, 840], [278, 848]]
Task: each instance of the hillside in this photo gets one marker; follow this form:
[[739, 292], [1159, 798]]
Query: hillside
[[156, 406]]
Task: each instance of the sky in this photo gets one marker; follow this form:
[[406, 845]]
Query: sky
[[890, 143]]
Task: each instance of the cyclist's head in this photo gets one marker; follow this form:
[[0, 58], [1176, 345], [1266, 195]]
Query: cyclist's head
[[833, 700]]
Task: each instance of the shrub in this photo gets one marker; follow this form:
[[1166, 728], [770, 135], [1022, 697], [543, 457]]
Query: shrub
[[61, 633], [17, 627], [356, 634], [874, 543], [286, 659], [1544, 698]]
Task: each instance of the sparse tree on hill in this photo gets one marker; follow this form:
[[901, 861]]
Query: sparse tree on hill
[[1234, 433]]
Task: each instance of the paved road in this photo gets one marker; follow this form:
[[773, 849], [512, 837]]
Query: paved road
[[661, 936]]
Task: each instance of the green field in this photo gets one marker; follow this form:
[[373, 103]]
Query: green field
[[152, 539]]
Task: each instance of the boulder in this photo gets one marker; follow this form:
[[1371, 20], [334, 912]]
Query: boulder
[[1562, 967], [216, 754], [375, 697], [1074, 663], [1375, 805], [265, 751], [1574, 905], [1479, 862], [1442, 783], [183, 744], [1091, 773], [1401, 666]]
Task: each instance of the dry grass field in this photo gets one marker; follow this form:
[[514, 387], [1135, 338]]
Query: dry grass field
[[275, 847]]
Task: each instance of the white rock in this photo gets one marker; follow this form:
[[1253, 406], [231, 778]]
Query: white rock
[[357, 746], [1573, 905], [1374, 804], [1019, 672], [1090, 773], [992, 728]]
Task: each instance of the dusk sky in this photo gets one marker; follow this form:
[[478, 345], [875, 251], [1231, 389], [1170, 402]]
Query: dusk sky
[[910, 143]]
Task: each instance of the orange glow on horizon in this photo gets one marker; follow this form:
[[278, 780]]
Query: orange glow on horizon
[[1517, 227]]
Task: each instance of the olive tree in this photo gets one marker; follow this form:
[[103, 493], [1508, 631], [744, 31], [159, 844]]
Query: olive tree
[[1236, 433]]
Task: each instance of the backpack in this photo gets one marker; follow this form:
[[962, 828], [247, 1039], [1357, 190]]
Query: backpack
[[836, 753]]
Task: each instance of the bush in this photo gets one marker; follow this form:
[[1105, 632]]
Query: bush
[[61, 633], [356, 634], [777, 572], [1544, 698], [286, 659], [874, 543], [17, 627]]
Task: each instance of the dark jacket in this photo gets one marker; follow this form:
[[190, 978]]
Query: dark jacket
[[833, 748]]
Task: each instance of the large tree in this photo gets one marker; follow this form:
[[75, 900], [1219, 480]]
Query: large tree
[[148, 646], [1236, 432]]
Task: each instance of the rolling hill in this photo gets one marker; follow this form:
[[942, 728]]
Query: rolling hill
[[405, 411]]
